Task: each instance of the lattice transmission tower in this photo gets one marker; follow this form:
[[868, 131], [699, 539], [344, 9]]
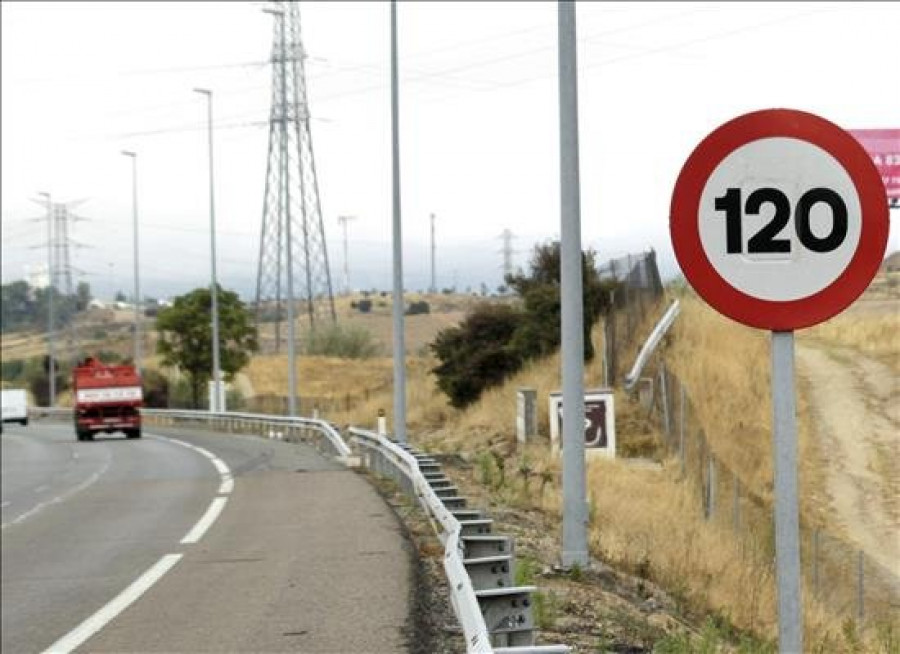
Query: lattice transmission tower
[[292, 245], [59, 263]]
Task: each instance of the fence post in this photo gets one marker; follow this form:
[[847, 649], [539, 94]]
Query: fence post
[[711, 488], [860, 584], [665, 401], [681, 431], [815, 562]]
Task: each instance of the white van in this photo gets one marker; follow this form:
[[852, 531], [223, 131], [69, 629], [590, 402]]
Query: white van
[[14, 405]]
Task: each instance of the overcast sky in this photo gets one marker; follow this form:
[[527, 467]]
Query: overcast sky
[[479, 123]]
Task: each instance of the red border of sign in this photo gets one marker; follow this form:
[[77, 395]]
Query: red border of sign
[[685, 229]]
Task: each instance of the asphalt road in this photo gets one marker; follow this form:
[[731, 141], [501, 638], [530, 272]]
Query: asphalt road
[[194, 542]]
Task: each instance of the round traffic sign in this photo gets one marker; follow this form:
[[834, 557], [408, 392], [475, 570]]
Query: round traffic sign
[[779, 219]]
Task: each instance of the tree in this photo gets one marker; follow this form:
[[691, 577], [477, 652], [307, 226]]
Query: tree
[[185, 336]]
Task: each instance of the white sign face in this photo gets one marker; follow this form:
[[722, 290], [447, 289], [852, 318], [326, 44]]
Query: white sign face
[[780, 219], [114, 394]]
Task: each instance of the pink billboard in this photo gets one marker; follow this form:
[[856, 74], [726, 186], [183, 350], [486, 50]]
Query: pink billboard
[[883, 145]]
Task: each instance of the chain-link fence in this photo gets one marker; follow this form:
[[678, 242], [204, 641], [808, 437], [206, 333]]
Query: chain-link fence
[[836, 573], [639, 287]]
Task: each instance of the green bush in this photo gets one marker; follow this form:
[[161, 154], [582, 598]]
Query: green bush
[[343, 342], [476, 354]]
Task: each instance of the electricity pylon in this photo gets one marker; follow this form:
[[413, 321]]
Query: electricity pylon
[[292, 245]]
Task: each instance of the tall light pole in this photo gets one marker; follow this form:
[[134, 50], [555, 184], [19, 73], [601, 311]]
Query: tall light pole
[[215, 405], [575, 513], [399, 341], [137, 282], [51, 350], [344, 220], [433, 288]]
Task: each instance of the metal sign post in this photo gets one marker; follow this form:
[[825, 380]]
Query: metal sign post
[[787, 511]]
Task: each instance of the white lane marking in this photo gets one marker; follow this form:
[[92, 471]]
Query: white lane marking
[[196, 533], [227, 485], [122, 601], [222, 468], [59, 498]]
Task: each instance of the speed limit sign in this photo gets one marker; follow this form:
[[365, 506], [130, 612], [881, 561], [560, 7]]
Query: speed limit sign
[[779, 219]]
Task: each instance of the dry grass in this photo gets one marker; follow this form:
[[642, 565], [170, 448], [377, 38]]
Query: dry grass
[[317, 376], [876, 334]]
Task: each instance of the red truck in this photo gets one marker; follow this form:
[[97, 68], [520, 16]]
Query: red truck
[[107, 399]]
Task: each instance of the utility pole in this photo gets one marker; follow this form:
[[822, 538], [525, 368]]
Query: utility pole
[[137, 283], [507, 252], [216, 403], [343, 220], [433, 288], [399, 341], [51, 350], [575, 513]]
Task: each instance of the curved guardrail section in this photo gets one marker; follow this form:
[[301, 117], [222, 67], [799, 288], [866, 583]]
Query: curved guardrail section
[[256, 422], [234, 422], [462, 595], [478, 565]]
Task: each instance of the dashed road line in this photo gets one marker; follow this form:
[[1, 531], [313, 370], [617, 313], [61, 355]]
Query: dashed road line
[[59, 498]]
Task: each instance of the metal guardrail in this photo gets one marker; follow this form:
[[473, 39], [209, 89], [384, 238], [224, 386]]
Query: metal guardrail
[[257, 422], [234, 422]]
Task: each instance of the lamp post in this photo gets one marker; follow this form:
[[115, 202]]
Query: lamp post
[[137, 282], [216, 402], [51, 351]]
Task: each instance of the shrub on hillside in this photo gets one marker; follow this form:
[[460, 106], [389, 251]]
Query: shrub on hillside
[[418, 308], [476, 354], [345, 342], [364, 306]]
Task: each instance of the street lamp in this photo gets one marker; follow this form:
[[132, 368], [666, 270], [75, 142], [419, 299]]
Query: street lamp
[[216, 402], [137, 282], [51, 351]]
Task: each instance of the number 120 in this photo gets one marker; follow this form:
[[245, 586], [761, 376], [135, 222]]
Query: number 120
[[765, 241]]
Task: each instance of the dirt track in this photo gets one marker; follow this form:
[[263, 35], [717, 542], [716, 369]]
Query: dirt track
[[856, 407]]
